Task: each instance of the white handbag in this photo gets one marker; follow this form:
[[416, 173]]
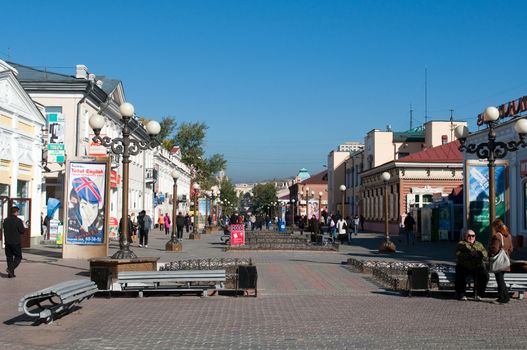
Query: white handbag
[[500, 261]]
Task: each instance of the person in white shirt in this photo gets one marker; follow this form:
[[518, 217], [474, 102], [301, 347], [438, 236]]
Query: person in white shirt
[[341, 230]]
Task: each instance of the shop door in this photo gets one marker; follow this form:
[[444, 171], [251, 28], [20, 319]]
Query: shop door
[[4, 212], [24, 204]]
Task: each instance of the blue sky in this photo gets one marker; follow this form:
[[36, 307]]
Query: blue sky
[[281, 83]]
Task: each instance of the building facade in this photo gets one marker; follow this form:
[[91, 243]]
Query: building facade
[[21, 131]]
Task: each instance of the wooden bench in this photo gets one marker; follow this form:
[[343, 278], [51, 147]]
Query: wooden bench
[[200, 281], [58, 299], [516, 282]]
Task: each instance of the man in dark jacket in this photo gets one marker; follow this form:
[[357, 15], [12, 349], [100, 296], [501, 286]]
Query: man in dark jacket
[[13, 228], [180, 223]]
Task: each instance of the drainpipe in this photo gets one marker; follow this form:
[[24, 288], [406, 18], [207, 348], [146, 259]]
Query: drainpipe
[[77, 127]]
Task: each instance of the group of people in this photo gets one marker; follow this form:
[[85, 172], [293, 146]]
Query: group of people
[[338, 228], [471, 260]]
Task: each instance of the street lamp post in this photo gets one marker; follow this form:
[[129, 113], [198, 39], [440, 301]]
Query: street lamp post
[[492, 149], [206, 227], [293, 213], [307, 204], [174, 245], [127, 147], [320, 205], [342, 189], [387, 246], [195, 234]]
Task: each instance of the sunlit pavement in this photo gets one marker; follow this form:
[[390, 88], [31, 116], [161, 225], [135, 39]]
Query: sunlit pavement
[[305, 300]]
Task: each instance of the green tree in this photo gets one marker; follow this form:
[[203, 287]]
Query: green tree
[[263, 195], [228, 193], [190, 137]]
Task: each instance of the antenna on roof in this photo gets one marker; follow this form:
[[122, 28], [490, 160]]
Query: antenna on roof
[[411, 117], [426, 94], [451, 124]]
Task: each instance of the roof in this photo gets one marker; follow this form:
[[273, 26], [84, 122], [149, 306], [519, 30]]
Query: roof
[[320, 178], [447, 153], [26, 73], [408, 136]]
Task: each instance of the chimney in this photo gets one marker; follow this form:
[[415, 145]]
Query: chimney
[[82, 72]]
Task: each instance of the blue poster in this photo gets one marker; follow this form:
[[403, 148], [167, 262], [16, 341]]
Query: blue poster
[[478, 199]]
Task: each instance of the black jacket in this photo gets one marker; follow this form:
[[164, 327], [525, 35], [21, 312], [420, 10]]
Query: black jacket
[[13, 228], [180, 221]]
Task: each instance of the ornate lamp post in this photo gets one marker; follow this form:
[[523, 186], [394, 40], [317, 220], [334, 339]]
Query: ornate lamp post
[[174, 245], [387, 246], [195, 234], [342, 189], [125, 146], [206, 227], [293, 212], [307, 204], [320, 205], [492, 149]]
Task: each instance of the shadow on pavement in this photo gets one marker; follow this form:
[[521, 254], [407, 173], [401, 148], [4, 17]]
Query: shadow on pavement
[[47, 253]]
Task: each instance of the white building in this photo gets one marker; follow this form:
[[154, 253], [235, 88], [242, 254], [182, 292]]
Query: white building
[[21, 124], [69, 101]]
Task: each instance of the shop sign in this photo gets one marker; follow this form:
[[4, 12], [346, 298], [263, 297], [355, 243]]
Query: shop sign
[[96, 149], [115, 179], [509, 109], [238, 234], [56, 138]]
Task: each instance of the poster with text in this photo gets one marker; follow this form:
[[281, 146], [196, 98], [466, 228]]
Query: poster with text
[[237, 234], [478, 214], [86, 204]]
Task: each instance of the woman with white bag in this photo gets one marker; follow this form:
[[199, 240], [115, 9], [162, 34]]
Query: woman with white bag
[[500, 250]]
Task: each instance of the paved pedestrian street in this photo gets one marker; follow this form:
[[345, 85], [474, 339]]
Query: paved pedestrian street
[[305, 301]]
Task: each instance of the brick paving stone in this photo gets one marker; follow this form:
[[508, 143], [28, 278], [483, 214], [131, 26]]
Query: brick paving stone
[[306, 301]]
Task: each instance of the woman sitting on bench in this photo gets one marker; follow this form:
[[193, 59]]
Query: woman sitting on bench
[[470, 255]]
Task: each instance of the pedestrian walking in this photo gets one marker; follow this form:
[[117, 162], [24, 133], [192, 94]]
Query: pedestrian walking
[[134, 227], [362, 219], [349, 224], [341, 230], [253, 222], [144, 222], [356, 223], [167, 222], [161, 222], [13, 229], [470, 256], [501, 239], [188, 221], [409, 223], [180, 223], [332, 229]]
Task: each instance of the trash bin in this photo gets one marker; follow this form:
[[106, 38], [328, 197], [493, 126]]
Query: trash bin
[[281, 225], [102, 276], [418, 279], [247, 278]]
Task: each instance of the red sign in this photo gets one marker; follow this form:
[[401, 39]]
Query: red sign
[[115, 179], [238, 234], [509, 109]]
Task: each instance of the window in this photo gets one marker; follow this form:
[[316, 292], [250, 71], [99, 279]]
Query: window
[[427, 198], [22, 188], [4, 190]]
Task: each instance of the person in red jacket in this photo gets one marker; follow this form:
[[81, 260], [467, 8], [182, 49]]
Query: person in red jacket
[[500, 231]]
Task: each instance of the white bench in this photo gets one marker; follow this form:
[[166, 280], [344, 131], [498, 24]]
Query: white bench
[[46, 303], [516, 282], [200, 281]]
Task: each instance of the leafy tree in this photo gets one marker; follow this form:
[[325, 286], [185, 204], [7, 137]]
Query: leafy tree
[[191, 137], [263, 195], [227, 193]]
